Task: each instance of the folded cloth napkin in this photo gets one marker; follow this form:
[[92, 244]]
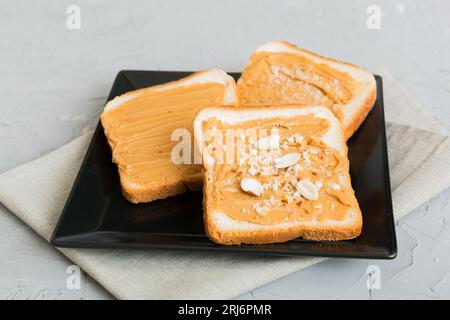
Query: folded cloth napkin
[[36, 192]]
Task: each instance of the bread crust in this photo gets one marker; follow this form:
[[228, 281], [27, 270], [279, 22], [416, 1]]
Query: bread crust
[[294, 47], [359, 117], [197, 74], [150, 193], [278, 235]]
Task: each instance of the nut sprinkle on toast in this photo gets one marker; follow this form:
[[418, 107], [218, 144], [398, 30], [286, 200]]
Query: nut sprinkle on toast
[[280, 73], [273, 174]]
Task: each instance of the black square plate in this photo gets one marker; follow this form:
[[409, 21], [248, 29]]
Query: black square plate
[[97, 215]]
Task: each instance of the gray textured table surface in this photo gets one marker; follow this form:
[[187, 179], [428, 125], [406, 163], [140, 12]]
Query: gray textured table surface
[[55, 80]]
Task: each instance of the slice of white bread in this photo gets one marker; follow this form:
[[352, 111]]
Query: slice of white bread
[[360, 83], [150, 139], [223, 229]]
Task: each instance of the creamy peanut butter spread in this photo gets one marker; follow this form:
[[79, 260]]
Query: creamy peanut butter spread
[[286, 78], [139, 131], [295, 178]]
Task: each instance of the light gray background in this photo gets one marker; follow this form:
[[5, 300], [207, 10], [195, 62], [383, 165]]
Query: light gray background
[[54, 82]]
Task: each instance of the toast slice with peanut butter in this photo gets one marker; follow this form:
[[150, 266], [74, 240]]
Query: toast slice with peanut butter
[[143, 128], [272, 174], [280, 73]]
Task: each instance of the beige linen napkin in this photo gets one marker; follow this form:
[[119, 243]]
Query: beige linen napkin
[[36, 193]]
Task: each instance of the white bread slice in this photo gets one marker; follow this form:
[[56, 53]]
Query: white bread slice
[[363, 95], [223, 229], [174, 184]]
